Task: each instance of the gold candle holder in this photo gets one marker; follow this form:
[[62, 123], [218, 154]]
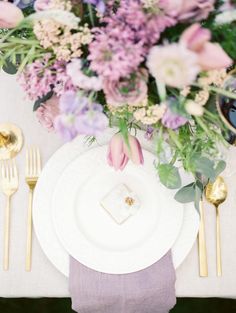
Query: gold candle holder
[[11, 141]]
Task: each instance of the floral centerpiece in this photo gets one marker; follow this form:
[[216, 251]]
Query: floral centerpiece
[[156, 65]]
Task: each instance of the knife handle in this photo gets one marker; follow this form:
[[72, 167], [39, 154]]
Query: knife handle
[[202, 253]]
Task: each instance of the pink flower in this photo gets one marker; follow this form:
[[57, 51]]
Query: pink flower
[[119, 153], [127, 91], [10, 15], [189, 10], [47, 113], [210, 55], [41, 5]]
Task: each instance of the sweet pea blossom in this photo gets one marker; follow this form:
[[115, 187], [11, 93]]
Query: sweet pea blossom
[[79, 115], [173, 120], [10, 15], [119, 153], [210, 55], [48, 112]]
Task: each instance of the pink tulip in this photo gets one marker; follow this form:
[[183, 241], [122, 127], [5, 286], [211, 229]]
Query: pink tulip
[[134, 150], [47, 113], [194, 37], [119, 153], [116, 155], [10, 15], [213, 57], [210, 55]]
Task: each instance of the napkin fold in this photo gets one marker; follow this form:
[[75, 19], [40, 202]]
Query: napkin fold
[[151, 290]]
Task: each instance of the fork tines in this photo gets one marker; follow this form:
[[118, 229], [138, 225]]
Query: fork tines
[[33, 163]]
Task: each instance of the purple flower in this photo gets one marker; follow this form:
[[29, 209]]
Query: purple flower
[[173, 120], [149, 133], [39, 78], [123, 43], [22, 4], [78, 115], [100, 5]]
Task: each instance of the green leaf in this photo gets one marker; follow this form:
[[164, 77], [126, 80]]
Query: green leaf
[[205, 166], [220, 167], [186, 194], [42, 100], [169, 176], [9, 67]]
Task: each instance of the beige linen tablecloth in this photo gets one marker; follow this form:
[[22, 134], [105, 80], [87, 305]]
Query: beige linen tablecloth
[[45, 280]]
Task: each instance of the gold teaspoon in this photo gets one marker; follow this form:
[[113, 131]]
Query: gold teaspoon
[[216, 193]]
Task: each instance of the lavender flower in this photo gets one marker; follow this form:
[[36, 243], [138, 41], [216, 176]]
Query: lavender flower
[[78, 115], [100, 5], [173, 120]]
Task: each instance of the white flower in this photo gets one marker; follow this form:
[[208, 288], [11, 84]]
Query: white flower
[[60, 16], [173, 65], [194, 108], [226, 17], [81, 80]]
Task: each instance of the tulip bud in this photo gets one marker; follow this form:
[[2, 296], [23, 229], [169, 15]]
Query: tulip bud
[[10, 15]]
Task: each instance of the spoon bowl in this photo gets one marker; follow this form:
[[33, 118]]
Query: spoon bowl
[[216, 193]]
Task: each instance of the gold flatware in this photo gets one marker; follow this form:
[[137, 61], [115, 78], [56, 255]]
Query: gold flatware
[[11, 141], [33, 169], [202, 253], [10, 183], [216, 193]]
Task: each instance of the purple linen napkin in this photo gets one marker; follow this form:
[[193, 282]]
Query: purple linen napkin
[[151, 290]]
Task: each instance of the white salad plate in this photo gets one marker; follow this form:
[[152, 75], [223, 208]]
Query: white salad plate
[[42, 210], [92, 237]]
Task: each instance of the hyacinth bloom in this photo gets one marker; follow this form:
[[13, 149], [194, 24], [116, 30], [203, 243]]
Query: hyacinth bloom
[[119, 152], [210, 55], [13, 16]]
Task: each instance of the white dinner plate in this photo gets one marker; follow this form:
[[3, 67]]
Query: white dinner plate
[[42, 210], [92, 237]]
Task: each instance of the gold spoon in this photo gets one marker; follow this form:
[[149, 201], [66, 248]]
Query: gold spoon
[[216, 194]]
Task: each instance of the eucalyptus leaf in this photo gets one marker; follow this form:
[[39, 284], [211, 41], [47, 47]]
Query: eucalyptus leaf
[[9, 68], [220, 167], [169, 176], [205, 166], [186, 194]]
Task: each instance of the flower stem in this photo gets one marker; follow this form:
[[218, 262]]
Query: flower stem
[[175, 138], [217, 90], [90, 9]]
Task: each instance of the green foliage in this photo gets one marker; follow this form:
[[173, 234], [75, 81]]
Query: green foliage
[[169, 176]]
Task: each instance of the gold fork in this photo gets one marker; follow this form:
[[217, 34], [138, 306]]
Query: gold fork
[[33, 169], [10, 183]]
